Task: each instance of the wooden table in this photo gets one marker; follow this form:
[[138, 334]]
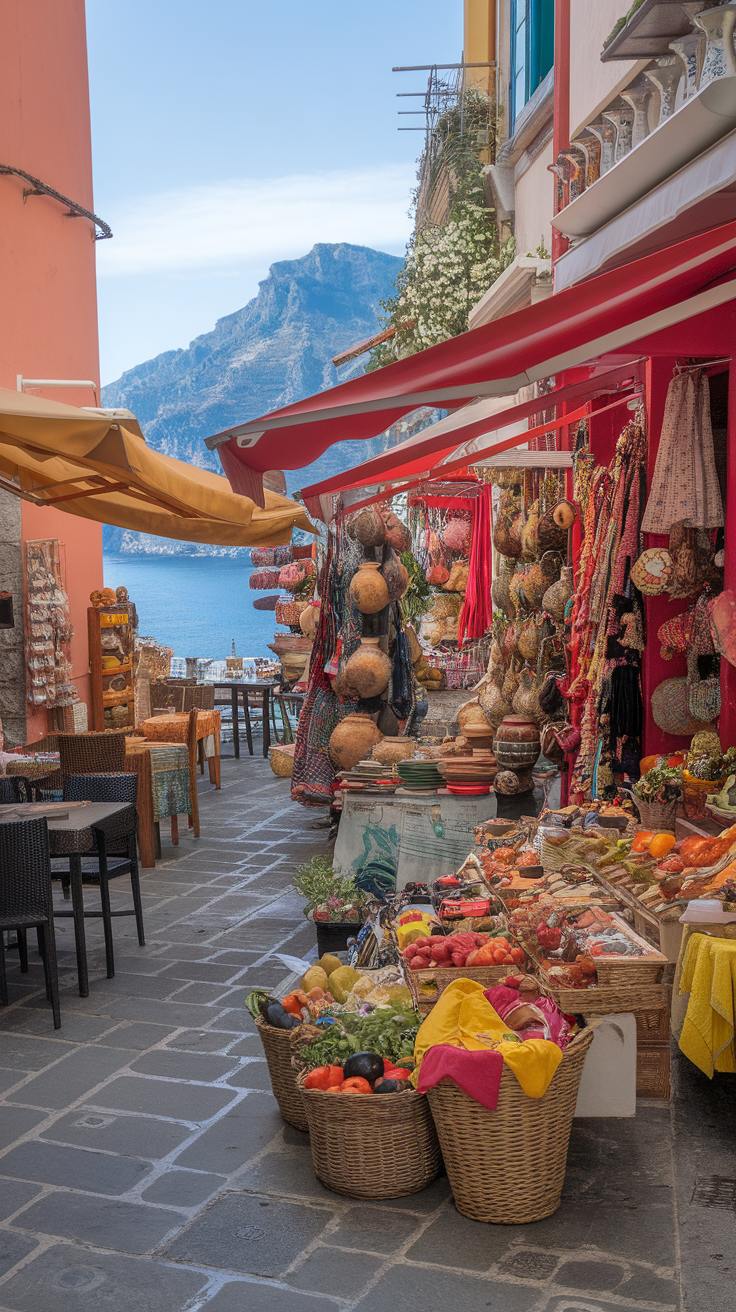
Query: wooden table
[[138, 761], [71, 837], [174, 728], [244, 686]]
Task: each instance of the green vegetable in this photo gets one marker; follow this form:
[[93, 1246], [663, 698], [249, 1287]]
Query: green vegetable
[[388, 1032], [257, 1002]]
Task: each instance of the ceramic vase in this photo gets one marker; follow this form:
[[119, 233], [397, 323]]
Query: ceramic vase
[[623, 122], [665, 78], [352, 739], [368, 589], [367, 672], [719, 59], [687, 48], [606, 134], [638, 97]]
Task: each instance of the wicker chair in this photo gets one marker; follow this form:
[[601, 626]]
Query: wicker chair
[[92, 753], [167, 696], [201, 698], [15, 788], [115, 850], [26, 902]]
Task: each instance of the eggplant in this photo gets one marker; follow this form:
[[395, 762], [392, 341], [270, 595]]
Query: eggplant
[[280, 1018], [366, 1064], [388, 1086]]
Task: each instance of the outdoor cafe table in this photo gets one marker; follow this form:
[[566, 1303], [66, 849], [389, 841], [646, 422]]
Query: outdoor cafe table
[[174, 728], [245, 686], [72, 838]]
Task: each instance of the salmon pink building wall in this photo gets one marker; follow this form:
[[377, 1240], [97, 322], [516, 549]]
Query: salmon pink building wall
[[48, 326]]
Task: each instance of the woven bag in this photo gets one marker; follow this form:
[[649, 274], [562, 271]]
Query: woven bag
[[670, 709], [289, 611], [703, 695]]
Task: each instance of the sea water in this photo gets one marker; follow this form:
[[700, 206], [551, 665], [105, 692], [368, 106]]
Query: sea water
[[196, 604]]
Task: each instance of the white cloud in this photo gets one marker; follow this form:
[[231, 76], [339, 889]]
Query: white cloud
[[225, 225]]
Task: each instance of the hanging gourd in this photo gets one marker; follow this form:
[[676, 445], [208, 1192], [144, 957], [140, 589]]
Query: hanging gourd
[[368, 589]]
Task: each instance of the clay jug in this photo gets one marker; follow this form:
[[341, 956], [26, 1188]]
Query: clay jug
[[368, 589], [367, 672], [557, 596], [309, 619], [395, 577], [526, 698], [353, 739], [368, 527]]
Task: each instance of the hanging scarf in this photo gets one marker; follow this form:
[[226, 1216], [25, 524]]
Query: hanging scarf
[[476, 614]]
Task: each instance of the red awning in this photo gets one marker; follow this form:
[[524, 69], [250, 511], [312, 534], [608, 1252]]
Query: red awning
[[602, 315]]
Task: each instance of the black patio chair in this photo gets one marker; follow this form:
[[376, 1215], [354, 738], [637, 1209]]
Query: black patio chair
[[15, 788], [26, 901], [115, 851]]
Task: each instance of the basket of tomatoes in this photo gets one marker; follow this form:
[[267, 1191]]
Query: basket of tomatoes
[[434, 961]]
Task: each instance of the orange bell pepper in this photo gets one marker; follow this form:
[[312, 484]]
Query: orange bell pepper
[[356, 1085], [293, 1003], [324, 1078]]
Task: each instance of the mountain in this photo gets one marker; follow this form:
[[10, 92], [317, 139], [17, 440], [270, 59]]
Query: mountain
[[274, 351]]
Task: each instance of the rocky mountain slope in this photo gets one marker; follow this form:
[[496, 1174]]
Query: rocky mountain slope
[[274, 351]]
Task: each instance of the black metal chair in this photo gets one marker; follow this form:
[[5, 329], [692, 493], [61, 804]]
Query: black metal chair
[[115, 851], [26, 901]]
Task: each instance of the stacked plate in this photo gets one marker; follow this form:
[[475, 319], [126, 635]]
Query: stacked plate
[[371, 777], [419, 774], [464, 771]]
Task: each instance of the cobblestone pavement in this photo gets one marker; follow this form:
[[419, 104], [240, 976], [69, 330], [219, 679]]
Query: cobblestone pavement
[[144, 1166]]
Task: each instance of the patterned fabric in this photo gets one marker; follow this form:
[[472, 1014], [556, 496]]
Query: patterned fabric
[[175, 728], [685, 483], [170, 787]]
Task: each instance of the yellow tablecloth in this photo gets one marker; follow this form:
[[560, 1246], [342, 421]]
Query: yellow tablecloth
[[709, 976]]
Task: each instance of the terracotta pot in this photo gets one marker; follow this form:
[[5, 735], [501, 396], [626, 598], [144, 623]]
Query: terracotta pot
[[391, 750], [368, 527], [395, 577], [367, 672], [516, 744], [368, 589], [353, 739], [557, 596]]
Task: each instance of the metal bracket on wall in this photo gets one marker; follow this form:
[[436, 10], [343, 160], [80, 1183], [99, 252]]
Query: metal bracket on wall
[[74, 211]]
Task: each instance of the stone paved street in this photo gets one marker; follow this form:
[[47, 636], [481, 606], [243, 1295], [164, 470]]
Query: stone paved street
[[144, 1166]]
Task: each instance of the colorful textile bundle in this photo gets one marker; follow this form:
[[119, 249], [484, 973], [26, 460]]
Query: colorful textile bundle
[[262, 580], [476, 614]]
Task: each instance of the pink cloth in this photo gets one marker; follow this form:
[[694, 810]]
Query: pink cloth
[[552, 1023], [477, 1073]]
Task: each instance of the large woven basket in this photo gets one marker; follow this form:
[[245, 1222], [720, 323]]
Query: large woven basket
[[277, 1047], [657, 815], [508, 1166], [607, 1001], [372, 1146]]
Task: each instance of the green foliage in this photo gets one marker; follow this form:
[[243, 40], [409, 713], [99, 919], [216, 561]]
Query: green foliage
[[416, 599], [317, 883], [662, 784], [448, 267]]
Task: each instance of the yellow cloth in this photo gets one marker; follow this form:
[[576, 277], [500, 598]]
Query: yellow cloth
[[709, 976], [463, 1018]]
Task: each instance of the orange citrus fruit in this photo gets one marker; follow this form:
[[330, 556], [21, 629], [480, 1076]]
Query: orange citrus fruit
[[661, 844]]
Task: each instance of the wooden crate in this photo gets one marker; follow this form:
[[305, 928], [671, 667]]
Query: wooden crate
[[653, 1070]]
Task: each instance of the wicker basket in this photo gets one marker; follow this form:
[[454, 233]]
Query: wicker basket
[[420, 980], [378, 1146], [508, 1166], [606, 1001], [277, 1047], [657, 815]]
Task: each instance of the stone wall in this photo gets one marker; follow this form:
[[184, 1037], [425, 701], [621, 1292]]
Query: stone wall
[[12, 655]]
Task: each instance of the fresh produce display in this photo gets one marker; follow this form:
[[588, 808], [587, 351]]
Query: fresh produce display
[[358, 1044], [328, 897], [460, 950], [569, 945]]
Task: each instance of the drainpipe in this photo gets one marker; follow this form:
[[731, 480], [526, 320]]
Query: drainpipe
[[561, 136]]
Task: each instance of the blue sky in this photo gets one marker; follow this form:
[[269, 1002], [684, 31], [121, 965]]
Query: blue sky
[[231, 133]]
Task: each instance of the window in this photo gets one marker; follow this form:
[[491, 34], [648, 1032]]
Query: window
[[532, 50]]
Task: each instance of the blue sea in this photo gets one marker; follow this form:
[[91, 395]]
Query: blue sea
[[195, 604]]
